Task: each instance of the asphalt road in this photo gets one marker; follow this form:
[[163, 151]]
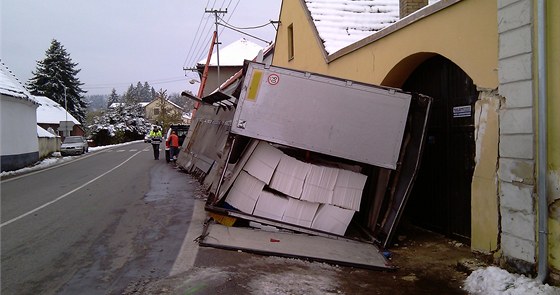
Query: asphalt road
[[97, 225]]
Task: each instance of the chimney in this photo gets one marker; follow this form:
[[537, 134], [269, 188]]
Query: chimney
[[410, 6]]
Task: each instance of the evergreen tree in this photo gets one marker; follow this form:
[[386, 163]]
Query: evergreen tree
[[138, 91], [114, 97], [146, 93], [122, 124], [95, 102], [130, 95], [55, 77], [153, 92]]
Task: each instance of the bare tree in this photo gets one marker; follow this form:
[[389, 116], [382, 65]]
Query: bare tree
[[167, 113]]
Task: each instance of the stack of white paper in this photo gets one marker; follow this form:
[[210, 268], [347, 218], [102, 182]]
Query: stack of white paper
[[271, 205], [348, 189], [319, 184], [300, 212], [263, 161], [290, 176], [332, 219], [245, 192]]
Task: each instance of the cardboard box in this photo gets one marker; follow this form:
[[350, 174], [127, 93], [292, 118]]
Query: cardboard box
[[332, 219], [271, 205], [348, 189], [263, 161], [300, 212], [245, 192], [290, 176], [319, 184]]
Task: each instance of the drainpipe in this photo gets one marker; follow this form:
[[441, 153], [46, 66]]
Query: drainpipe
[[542, 142]]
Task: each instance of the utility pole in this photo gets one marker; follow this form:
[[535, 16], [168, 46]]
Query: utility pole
[[215, 12]]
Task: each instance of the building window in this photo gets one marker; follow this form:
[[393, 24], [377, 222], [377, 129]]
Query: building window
[[156, 111], [291, 42]]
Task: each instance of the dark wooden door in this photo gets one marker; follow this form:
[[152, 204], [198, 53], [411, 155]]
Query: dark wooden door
[[441, 198]]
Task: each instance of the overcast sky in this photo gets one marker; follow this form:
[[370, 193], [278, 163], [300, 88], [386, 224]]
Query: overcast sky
[[116, 43]]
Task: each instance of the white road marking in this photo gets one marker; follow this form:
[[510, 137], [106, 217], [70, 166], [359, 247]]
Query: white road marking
[[66, 194]]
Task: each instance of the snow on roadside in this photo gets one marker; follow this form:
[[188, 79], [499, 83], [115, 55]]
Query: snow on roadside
[[493, 280], [56, 159]]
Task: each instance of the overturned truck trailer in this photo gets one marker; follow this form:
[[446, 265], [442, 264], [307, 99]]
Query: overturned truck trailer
[[308, 166]]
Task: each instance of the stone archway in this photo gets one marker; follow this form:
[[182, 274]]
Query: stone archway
[[441, 199]]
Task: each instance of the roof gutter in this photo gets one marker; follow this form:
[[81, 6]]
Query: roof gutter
[[542, 144]]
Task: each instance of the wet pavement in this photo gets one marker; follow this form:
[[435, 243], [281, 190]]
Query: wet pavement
[[428, 263]]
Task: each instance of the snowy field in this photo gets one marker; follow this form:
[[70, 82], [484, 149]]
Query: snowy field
[[486, 281]]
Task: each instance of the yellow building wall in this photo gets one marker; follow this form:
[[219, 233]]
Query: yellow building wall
[[553, 47], [474, 49], [465, 33]]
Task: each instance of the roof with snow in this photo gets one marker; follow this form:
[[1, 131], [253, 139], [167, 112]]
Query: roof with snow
[[10, 85], [344, 22], [341, 23], [234, 54], [51, 112], [122, 104], [168, 102], [41, 132]]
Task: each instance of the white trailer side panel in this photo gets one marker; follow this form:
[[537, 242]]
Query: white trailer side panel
[[350, 120]]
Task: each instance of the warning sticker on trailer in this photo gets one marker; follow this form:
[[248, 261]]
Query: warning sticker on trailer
[[273, 79]]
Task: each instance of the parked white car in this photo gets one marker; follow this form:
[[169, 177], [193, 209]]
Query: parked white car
[[73, 145]]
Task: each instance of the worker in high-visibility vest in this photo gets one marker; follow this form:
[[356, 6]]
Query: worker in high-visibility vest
[[155, 138]]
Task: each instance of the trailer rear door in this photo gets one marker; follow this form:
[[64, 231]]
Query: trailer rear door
[[354, 121]]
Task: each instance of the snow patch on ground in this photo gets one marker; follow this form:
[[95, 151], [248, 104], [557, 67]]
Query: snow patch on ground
[[496, 281], [301, 277], [294, 283], [202, 278]]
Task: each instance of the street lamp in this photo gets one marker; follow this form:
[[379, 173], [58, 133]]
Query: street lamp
[[192, 81], [66, 130], [65, 104]]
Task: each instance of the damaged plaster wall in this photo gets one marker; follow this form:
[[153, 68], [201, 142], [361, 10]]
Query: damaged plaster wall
[[516, 172], [553, 184], [554, 218], [484, 204]]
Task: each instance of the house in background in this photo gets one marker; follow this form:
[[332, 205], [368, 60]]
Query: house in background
[[154, 108], [231, 59], [479, 180], [18, 123], [51, 113]]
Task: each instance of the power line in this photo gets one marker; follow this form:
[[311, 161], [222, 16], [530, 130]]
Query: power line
[[247, 34], [246, 28], [115, 85], [198, 44], [197, 30], [196, 52]]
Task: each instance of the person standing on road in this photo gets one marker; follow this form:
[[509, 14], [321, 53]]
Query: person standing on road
[[155, 139], [173, 142]]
